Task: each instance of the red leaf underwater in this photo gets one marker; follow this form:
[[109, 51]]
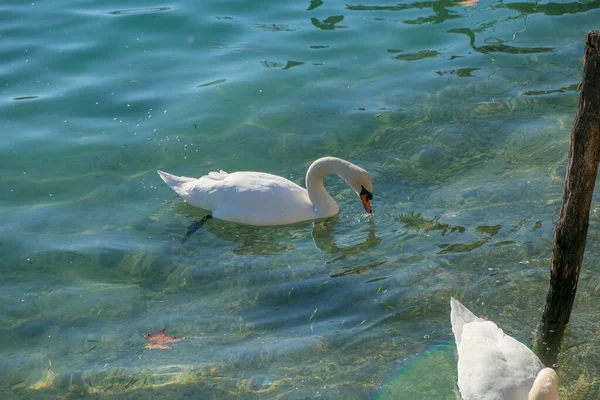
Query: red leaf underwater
[[159, 340]]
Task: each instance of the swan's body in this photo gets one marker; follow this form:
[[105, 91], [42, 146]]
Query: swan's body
[[494, 366], [258, 198]]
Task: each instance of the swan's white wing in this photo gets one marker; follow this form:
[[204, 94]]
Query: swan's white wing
[[492, 365], [217, 175], [250, 197]]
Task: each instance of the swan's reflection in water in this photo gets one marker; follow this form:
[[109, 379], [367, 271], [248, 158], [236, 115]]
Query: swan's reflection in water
[[249, 240], [259, 240], [324, 239]]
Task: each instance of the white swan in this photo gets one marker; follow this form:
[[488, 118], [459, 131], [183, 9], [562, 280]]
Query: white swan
[[258, 198], [494, 366]]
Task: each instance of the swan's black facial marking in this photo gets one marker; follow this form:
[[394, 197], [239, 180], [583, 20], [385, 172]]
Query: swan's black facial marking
[[366, 192], [366, 197]]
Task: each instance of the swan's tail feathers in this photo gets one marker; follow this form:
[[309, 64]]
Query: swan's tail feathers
[[173, 180], [459, 316], [176, 183]]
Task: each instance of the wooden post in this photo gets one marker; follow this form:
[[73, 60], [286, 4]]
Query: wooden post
[[582, 168]]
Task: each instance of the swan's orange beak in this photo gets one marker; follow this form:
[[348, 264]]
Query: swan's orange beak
[[366, 197], [366, 203]]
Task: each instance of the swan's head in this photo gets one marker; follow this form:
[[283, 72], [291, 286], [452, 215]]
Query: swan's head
[[362, 185], [545, 386]]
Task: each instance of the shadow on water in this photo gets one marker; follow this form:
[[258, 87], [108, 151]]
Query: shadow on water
[[499, 47], [570, 88], [253, 240], [440, 10], [418, 223], [314, 4], [417, 56], [442, 14], [552, 8], [461, 73], [329, 24], [139, 10], [403, 7]]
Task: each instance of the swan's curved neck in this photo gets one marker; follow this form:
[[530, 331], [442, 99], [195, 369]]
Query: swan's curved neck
[[323, 203]]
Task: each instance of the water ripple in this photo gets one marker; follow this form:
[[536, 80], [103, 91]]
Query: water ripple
[[139, 10]]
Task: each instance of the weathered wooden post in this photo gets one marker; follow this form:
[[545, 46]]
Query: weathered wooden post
[[582, 168], [572, 226]]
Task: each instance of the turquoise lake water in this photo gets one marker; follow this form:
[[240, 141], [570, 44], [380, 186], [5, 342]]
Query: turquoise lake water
[[460, 111]]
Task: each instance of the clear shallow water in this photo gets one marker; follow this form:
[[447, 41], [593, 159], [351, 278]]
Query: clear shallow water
[[461, 114]]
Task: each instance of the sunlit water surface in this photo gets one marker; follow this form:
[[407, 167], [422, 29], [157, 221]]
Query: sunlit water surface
[[460, 111]]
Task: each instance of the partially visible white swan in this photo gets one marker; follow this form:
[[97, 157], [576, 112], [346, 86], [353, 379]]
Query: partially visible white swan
[[494, 366], [258, 198]]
